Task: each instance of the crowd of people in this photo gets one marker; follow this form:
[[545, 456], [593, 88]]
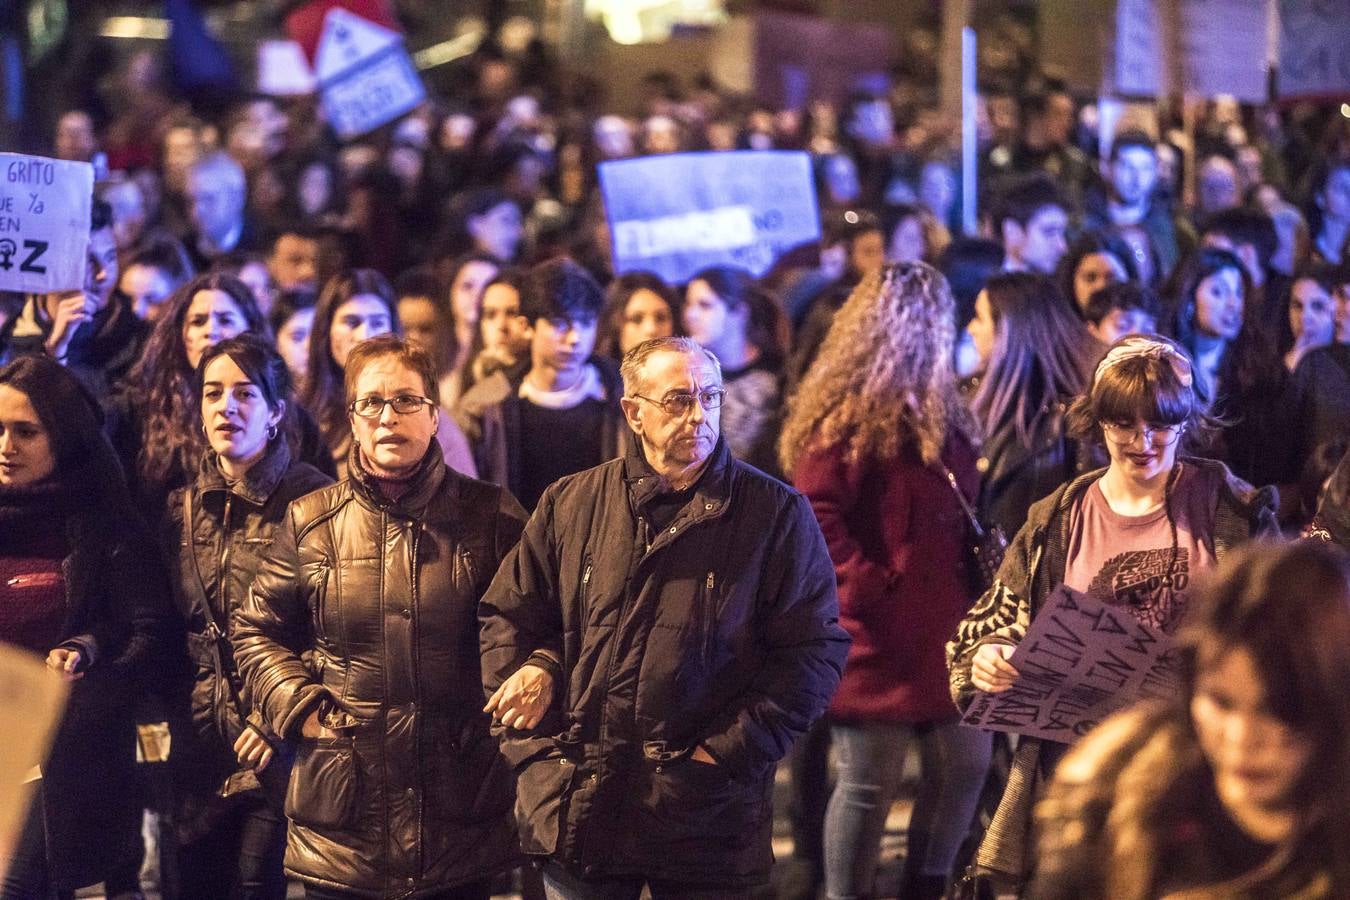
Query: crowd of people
[[440, 546]]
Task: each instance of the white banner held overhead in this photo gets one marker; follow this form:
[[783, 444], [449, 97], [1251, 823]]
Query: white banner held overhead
[[1314, 49], [44, 223]]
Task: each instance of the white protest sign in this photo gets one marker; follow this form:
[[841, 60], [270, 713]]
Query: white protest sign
[[283, 70], [1138, 48], [367, 77], [31, 701], [44, 223], [1224, 46], [1314, 49]]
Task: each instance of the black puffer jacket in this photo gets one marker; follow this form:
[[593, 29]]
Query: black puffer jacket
[[412, 796], [217, 558], [720, 630]]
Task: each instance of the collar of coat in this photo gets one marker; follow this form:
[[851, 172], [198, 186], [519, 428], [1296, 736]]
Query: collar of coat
[[422, 485], [258, 482], [1243, 513], [711, 491]]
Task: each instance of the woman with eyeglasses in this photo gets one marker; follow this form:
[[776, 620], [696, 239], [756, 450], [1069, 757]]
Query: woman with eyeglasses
[[1135, 535], [353, 307], [358, 642], [229, 767]]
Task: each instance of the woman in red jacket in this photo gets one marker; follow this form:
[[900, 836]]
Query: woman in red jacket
[[870, 438]]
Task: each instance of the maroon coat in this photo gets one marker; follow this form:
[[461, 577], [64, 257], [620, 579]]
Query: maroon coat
[[897, 536]]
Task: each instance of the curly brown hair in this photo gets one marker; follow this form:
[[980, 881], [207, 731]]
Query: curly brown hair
[[884, 377]]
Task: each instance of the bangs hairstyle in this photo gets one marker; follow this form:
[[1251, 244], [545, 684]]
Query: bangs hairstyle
[[1142, 387], [407, 353]]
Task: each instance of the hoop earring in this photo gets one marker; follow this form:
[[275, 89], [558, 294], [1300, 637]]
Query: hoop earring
[[271, 432]]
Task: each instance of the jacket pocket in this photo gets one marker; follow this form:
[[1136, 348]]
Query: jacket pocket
[[691, 800], [471, 780], [325, 786], [542, 791]]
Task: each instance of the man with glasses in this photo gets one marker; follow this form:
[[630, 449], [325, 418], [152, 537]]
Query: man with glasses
[[664, 631], [564, 416]]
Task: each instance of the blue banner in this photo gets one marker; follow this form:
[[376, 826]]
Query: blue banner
[[677, 214]]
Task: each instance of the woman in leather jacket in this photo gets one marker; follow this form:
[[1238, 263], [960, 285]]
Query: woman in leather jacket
[[229, 768], [359, 642]]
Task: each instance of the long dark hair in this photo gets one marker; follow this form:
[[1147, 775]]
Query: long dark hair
[[171, 441], [323, 395], [1249, 360], [1088, 243], [617, 295], [85, 461], [263, 365], [1288, 606], [765, 326]]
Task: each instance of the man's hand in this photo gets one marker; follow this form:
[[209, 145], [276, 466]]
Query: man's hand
[[523, 698], [64, 661], [990, 670], [252, 750], [702, 756], [312, 729], [73, 309]]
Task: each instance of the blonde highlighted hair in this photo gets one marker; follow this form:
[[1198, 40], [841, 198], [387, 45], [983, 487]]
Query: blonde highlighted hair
[[884, 377]]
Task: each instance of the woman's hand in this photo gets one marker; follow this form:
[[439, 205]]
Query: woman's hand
[[523, 698], [64, 661], [311, 728], [253, 750], [990, 670]]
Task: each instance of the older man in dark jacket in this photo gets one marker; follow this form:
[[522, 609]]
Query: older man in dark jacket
[[663, 632]]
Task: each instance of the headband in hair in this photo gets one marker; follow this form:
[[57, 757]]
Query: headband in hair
[[1133, 348]]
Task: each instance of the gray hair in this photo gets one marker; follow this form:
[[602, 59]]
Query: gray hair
[[635, 360], [222, 167]]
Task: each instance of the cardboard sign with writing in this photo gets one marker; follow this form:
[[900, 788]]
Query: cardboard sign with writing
[[676, 214], [1314, 49], [31, 701], [44, 223], [367, 77], [1081, 661]]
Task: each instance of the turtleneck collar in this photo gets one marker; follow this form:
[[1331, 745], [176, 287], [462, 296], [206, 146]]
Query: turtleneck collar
[[408, 496]]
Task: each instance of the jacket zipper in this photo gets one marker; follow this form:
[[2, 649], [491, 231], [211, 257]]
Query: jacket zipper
[[418, 732], [709, 618]]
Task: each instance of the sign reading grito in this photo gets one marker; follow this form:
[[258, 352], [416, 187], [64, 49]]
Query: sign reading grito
[[1080, 661], [44, 223], [677, 214]]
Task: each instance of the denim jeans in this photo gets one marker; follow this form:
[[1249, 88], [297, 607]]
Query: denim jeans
[[871, 762]]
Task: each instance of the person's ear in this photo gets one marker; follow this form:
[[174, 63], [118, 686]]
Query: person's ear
[[276, 416], [631, 408], [1013, 234]]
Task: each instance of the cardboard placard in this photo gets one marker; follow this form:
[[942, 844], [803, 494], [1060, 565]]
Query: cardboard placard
[[1314, 49], [677, 214], [44, 223], [1081, 660], [31, 702], [365, 73]]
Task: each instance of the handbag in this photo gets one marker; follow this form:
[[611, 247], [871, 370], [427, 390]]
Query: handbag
[[215, 646], [987, 543]]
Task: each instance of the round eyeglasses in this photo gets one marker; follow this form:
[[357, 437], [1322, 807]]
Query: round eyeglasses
[[403, 404], [1155, 434]]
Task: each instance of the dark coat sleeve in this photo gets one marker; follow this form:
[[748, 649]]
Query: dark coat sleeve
[[271, 629], [798, 613]]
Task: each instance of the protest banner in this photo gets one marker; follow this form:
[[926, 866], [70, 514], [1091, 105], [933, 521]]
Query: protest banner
[[44, 223], [676, 214], [31, 701], [1314, 50], [1200, 47], [800, 59], [1080, 661], [366, 76]]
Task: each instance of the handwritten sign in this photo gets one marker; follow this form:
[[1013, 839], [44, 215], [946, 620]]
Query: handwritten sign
[[1139, 48], [365, 73], [1080, 661], [44, 223], [1224, 48], [31, 701], [677, 214], [1314, 49]]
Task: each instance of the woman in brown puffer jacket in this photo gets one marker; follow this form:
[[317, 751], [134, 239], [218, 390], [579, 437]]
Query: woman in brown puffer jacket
[[359, 641]]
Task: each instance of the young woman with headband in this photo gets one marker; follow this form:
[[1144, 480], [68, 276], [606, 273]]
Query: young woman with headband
[[1134, 534]]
